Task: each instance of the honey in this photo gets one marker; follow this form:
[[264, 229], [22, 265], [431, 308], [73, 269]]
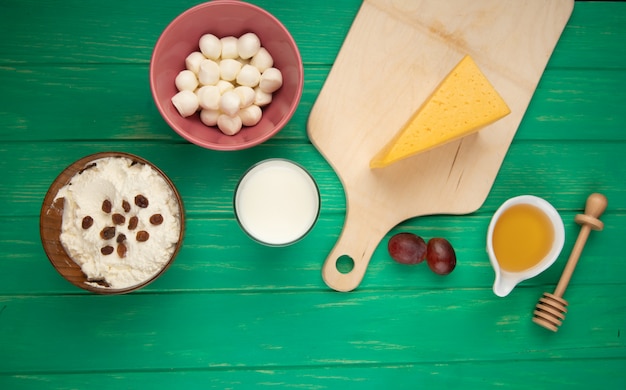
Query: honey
[[523, 235]]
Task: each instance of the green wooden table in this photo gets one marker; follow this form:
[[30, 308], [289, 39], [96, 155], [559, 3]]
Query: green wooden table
[[231, 313]]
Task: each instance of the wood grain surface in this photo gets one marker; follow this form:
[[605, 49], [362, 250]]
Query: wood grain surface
[[232, 314], [363, 104]]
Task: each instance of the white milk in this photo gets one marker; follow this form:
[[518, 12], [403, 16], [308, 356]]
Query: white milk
[[277, 202]]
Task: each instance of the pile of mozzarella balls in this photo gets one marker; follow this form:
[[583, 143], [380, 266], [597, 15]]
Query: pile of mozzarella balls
[[228, 81]]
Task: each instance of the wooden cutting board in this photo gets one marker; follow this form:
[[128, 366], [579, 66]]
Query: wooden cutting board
[[395, 54]]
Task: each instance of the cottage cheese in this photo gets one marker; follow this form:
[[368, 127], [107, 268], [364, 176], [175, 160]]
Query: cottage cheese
[[121, 222]]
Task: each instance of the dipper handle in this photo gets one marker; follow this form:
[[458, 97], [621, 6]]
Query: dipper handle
[[550, 311], [595, 206]]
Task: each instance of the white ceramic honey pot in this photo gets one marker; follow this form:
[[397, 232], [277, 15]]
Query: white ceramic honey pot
[[506, 280]]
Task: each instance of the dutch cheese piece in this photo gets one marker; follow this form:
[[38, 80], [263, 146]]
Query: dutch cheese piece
[[462, 104]]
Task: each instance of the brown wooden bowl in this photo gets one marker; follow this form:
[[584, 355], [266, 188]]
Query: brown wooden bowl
[[51, 218]]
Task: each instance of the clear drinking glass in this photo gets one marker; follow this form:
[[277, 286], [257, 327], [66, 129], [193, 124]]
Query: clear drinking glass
[[277, 202]]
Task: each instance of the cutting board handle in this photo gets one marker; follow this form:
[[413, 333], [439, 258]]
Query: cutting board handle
[[359, 238]]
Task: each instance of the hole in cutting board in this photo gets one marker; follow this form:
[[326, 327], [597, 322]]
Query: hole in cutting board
[[345, 264]]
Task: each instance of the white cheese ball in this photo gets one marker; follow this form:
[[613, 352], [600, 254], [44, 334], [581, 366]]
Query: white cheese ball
[[209, 73], [228, 81], [186, 102], [246, 94], [225, 86], [250, 115], [262, 98], [209, 97], [229, 125], [229, 103], [248, 45], [210, 46], [262, 60], [229, 69], [209, 117], [193, 60], [186, 80], [249, 76], [229, 47], [271, 80]]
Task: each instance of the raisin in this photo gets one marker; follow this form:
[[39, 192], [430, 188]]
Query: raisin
[[118, 219], [156, 219], [120, 238], [126, 206], [100, 282], [121, 250], [108, 232], [142, 236], [106, 250], [132, 224], [141, 201], [106, 206], [87, 222]]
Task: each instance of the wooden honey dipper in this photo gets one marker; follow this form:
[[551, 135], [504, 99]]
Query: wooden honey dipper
[[551, 308]]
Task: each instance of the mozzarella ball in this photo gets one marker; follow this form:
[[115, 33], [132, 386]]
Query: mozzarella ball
[[227, 81], [271, 80], [210, 46], [262, 98], [229, 125], [229, 47], [209, 117], [250, 115], [186, 102], [246, 94], [249, 76], [209, 97], [186, 80], [262, 60], [193, 60], [229, 69], [229, 103], [209, 73], [248, 45], [225, 86]]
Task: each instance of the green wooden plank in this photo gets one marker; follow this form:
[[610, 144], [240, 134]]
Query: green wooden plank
[[98, 102], [563, 172], [576, 105], [552, 373], [71, 32], [77, 35], [217, 256], [592, 36], [205, 330]]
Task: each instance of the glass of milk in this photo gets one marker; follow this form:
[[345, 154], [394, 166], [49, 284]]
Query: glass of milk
[[277, 202]]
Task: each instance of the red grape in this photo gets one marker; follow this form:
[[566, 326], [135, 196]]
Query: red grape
[[407, 248], [440, 256]]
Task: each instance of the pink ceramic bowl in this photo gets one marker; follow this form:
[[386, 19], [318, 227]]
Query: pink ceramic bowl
[[225, 18]]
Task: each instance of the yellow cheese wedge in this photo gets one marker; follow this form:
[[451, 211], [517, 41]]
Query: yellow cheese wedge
[[462, 104]]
